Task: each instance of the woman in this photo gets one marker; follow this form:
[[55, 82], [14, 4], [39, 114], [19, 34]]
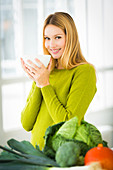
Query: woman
[[66, 87]]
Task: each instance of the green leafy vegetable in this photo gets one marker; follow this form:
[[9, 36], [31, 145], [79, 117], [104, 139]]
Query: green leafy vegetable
[[89, 134], [20, 166], [57, 141], [68, 129], [27, 155], [50, 131], [25, 147], [63, 133], [83, 147]]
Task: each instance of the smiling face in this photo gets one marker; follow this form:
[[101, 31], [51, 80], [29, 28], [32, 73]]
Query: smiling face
[[55, 40]]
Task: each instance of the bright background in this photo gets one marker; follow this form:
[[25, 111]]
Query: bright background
[[21, 23]]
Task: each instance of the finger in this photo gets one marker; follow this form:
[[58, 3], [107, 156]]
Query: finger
[[26, 69], [40, 63], [23, 65], [22, 61], [50, 64], [33, 65], [31, 69], [30, 74], [31, 77]]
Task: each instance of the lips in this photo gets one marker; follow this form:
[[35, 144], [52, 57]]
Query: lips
[[55, 51]]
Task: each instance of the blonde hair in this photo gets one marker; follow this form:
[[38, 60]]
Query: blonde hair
[[72, 55]]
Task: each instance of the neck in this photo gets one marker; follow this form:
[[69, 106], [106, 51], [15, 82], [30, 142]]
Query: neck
[[59, 65]]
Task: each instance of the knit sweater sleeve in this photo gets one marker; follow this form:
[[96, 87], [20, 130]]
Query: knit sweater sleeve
[[81, 93], [30, 111]]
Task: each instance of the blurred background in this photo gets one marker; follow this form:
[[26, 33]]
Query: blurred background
[[21, 23]]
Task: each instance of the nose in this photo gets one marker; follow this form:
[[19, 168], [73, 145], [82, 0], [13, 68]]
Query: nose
[[52, 43]]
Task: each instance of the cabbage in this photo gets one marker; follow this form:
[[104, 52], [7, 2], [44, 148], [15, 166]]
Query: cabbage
[[68, 129], [84, 134], [88, 134]]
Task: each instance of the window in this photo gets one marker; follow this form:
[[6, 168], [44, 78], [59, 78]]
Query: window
[[13, 97], [30, 27], [18, 37], [21, 34], [99, 40], [7, 39]]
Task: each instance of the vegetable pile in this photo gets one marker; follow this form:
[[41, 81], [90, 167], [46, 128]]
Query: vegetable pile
[[66, 145]]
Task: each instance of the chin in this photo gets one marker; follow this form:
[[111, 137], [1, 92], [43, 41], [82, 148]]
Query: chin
[[56, 56]]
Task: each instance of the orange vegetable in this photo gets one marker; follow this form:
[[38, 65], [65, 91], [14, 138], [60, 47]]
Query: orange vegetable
[[100, 154]]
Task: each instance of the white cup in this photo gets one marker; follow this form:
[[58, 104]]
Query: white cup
[[43, 58]]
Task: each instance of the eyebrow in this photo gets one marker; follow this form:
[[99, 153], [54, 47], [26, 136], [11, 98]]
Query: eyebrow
[[54, 35]]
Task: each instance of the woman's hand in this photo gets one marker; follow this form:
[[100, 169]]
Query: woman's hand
[[38, 74]]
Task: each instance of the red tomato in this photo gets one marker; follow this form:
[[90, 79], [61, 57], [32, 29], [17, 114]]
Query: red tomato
[[100, 154]]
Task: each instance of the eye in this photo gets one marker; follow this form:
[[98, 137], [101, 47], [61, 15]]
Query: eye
[[58, 37], [46, 38]]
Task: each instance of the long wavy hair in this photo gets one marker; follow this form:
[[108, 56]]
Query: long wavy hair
[[72, 55]]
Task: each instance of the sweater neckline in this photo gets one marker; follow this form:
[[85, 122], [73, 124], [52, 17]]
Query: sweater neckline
[[55, 69]]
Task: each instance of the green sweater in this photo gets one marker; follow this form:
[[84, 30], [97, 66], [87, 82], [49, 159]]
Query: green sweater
[[69, 94]]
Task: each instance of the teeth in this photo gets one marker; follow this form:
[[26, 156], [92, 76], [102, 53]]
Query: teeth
[[54, 50]]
